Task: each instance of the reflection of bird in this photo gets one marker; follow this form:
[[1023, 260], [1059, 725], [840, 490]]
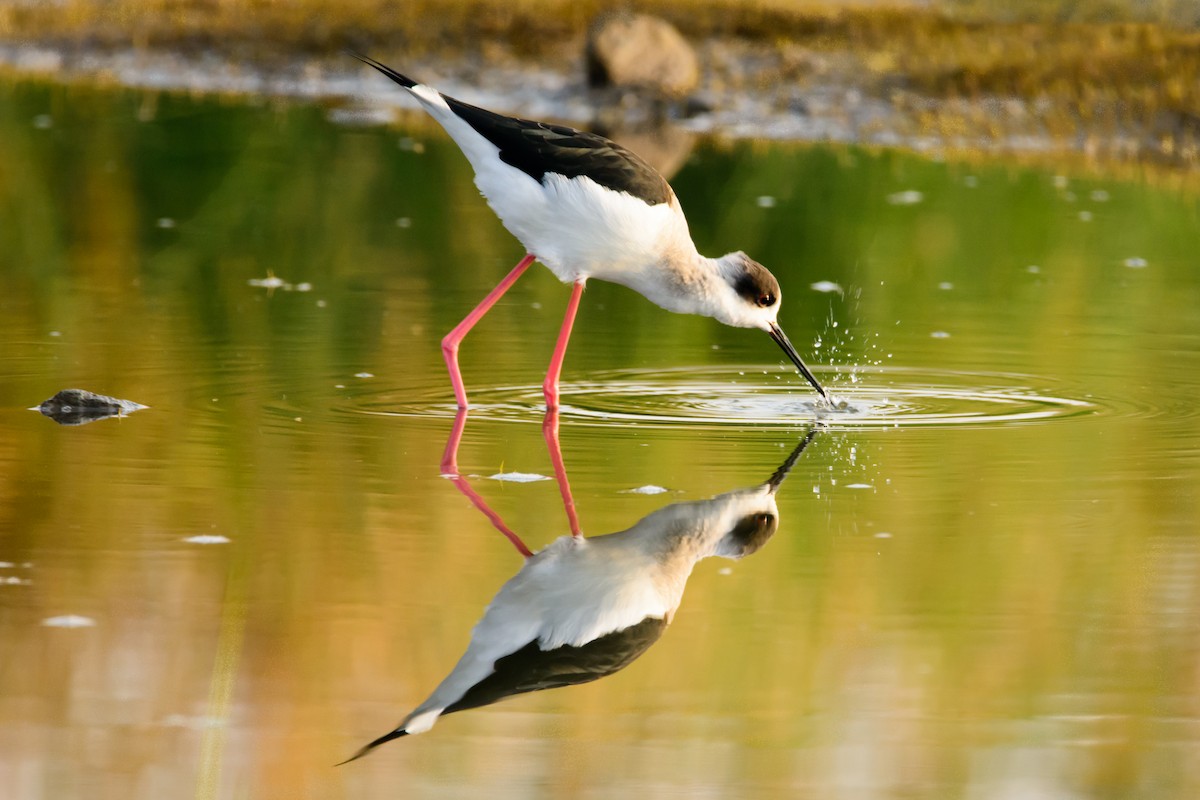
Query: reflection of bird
[[588, 208], [584, 608]]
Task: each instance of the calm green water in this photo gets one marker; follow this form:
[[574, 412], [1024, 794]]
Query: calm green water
[[985, 582]]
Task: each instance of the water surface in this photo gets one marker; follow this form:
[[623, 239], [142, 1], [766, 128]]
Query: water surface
[[984, 579]]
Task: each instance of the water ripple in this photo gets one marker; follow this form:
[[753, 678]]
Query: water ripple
[[755, 398]]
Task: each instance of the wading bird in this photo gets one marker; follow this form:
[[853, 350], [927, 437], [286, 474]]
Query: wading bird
[[588, 208]]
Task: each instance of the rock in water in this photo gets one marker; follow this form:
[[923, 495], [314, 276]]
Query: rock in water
[[641, 52], [79, 407]]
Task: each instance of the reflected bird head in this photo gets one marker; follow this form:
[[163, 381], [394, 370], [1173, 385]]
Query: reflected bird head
[[749, 534], [760, 516]]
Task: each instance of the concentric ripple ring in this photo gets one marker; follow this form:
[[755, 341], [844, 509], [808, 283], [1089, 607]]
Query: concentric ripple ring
[[754, 397]]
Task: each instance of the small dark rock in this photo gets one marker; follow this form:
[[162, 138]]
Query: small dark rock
[[79, 407], [641, 52]]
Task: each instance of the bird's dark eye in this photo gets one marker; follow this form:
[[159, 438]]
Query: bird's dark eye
[[766, 300]]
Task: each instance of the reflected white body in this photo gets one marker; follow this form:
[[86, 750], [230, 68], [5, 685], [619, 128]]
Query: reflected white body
[[577, 590]]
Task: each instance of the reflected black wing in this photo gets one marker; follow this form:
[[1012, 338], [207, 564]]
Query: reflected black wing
[[532, 669]]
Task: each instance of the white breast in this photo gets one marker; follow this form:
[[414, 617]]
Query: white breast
[[580, 229]]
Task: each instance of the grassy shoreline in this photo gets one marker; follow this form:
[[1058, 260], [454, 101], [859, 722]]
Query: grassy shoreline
[[1117, 81]]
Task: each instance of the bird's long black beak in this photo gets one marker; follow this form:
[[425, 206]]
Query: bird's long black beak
[[782, 340]]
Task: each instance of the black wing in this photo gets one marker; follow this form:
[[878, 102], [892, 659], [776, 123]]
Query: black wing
[[536, 148], [532, 669]]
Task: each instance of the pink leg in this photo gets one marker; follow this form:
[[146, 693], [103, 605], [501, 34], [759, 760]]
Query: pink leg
[[461, 484], [550, 432], [550, 385], [450, 470], [450, 454], [453, 338]]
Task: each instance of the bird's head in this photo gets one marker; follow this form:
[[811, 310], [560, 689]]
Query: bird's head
[[750, 295], [750, 299]]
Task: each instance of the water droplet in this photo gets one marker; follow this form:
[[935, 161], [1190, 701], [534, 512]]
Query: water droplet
[[269, 282], [69, 621], [909, 197], [518, 477]]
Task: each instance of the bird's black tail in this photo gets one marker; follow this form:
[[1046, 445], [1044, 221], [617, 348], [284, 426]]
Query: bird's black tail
[[387, 737], [403, 80]]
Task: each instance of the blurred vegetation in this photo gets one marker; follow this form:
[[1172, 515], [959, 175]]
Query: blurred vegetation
[[421, 26], [1122, 74]]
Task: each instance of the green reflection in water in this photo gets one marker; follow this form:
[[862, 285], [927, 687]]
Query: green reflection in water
[[961, 611]]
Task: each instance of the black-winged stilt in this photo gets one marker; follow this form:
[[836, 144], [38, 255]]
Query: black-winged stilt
[[583, 608], [588, 208]]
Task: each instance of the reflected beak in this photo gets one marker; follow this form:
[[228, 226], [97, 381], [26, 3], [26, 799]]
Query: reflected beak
[[782, 340], [774, 482]]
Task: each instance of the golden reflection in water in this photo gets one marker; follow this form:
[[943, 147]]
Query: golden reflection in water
[[1004, 611]]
